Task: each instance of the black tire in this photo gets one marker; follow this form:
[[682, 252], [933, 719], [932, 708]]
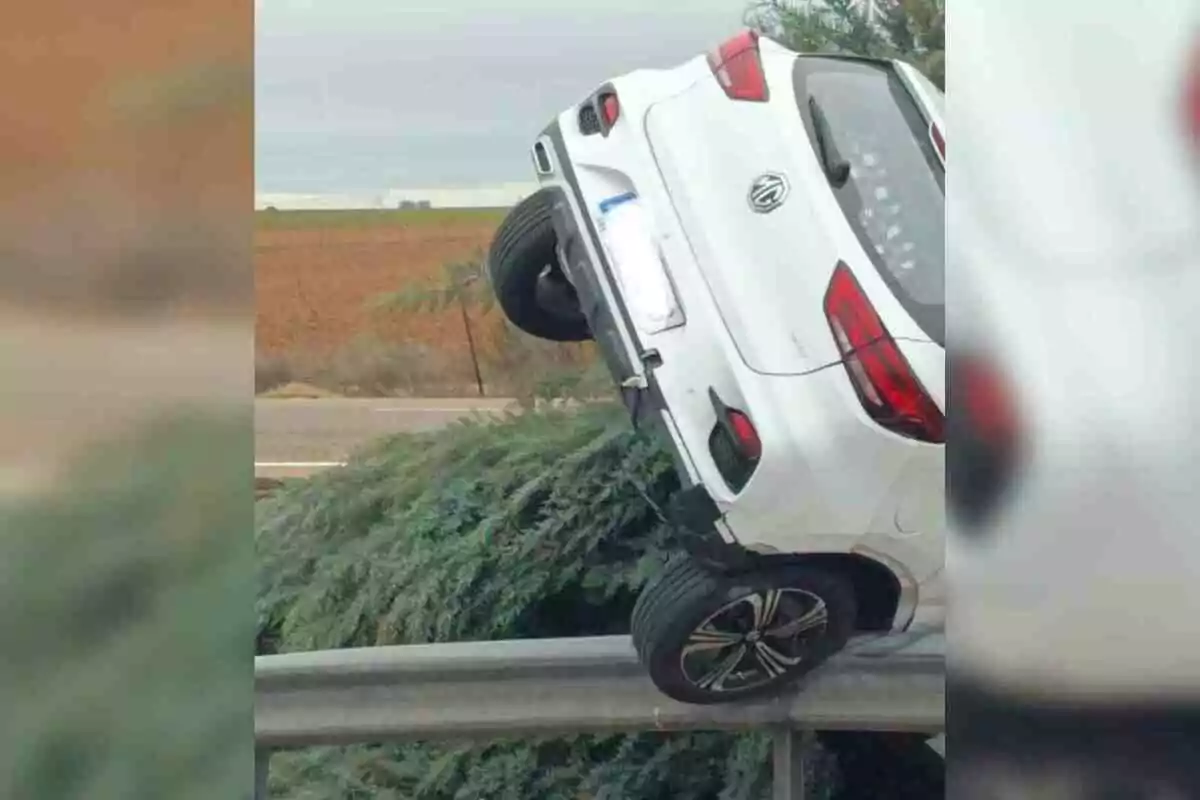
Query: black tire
[[687, 595], [530, 286]]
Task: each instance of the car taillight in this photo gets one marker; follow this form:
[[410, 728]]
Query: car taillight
[[737, 65], [610, 109], [983, 398], [939, 141], [745, 434], [733, 443], [985, 447], [888, 389]]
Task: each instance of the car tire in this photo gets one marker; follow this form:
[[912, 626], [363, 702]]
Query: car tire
[[529, 284], [706, 638]]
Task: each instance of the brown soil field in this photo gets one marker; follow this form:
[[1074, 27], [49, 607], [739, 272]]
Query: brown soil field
[[318, 273], [127, 154], [314, 284]]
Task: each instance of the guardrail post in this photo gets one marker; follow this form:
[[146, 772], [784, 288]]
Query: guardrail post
[[791, 749], [262, 768]]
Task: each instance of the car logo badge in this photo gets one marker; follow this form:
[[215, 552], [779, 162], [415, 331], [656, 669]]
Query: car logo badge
[[768, 192]]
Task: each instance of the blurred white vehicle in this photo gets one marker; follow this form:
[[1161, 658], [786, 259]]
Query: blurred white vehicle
[[1074, 322], [1074, 237], [755, 240]]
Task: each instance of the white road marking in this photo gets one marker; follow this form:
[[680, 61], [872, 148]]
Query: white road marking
[[298, 464], [436, 409], [423, 410]]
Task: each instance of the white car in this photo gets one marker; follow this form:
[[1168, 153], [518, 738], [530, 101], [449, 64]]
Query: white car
[[754, 239], [1073, 549], [1073, 546]]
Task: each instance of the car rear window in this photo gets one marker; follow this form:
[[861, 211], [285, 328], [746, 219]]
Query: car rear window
[[895, 196]]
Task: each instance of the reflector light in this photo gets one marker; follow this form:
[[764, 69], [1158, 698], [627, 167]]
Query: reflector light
[[610, 108], [746, 434]]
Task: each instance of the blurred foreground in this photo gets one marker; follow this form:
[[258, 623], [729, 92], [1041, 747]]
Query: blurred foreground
[[126, 349], [1074, 229]]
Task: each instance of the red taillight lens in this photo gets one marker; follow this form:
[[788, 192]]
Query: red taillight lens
[[985, 403], [887, 388], [939, 141], [747, 436], [737, 65], [610, 109], [986, 447], [734, 443]]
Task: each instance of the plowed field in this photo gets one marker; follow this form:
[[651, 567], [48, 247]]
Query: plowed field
[[317, 273]]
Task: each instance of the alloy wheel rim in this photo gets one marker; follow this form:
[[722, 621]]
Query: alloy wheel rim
[[753, 640]]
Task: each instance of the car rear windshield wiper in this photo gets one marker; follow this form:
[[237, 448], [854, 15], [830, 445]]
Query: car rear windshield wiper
[[837, 169]]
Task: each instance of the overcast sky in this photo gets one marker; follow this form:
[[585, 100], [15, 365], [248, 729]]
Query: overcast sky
[[367, 95]]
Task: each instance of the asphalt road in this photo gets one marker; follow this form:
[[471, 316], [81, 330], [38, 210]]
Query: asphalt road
[[297, 437]]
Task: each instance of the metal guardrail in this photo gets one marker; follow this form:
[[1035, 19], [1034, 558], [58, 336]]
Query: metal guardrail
[[584, 685]]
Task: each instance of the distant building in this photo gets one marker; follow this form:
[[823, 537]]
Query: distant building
[[289, 201], [493, 196]]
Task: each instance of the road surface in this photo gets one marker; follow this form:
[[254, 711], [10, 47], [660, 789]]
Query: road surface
[[296, 437]]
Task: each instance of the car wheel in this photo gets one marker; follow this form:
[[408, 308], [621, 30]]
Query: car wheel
[[707, 638], [529, 284]]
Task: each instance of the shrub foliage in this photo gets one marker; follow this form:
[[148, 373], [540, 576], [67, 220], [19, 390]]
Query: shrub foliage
[[543, 524], [126, 594]]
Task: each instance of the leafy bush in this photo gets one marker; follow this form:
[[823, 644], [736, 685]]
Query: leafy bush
[[534, 526], [540, 525], [911, 30], [126, 597]]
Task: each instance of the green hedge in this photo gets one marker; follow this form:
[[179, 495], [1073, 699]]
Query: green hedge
[[125, 624], [540, 525]]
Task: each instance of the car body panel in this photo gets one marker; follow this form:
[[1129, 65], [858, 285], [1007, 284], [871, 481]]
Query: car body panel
[[830, 480]]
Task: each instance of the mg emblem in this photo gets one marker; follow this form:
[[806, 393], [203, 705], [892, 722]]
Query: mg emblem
[[768, 192]]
